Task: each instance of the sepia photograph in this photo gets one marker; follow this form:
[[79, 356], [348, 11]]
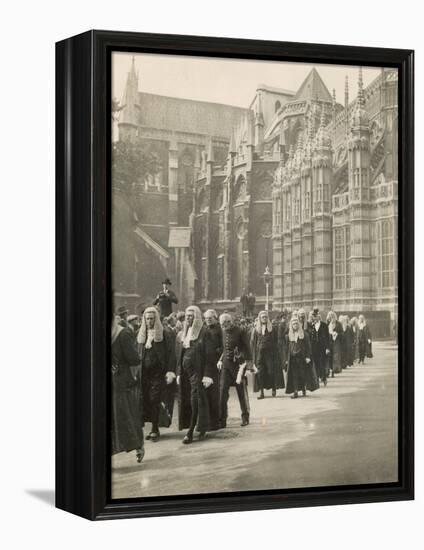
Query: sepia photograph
[[254, 269]]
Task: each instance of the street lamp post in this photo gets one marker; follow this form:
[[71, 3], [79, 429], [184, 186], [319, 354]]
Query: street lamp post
[[267, 279]]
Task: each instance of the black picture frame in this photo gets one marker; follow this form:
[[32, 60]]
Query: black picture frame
[[83, 105]]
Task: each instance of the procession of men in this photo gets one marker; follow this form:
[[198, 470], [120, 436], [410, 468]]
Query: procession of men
[[196, 359]]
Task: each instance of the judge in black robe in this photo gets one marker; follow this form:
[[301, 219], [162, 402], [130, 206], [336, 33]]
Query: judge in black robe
[[347, 342], [127, 430], [157, 370], [267, 362], [301, 374], [214, 352], [320, 347], [364, 340], [194, 376], [335, 337]]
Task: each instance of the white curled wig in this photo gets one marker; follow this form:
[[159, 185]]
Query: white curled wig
[[158, 328], [300, 332], [258, 325], [197, 325], [331, 317]]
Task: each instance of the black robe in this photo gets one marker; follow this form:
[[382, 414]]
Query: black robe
[[214, 351], [335, 358], [153, 381], [349, 343], [364, 347], [202, 368], [127, 430], [319, 345], [300, 374], [267, 359]]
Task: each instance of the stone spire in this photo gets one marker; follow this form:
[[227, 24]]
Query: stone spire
[[130, 101], [346, 92], [323, 140], [309, 136], [360, 116], [333, 112]]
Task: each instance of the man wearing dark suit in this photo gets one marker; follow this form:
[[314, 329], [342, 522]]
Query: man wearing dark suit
[[318, 332], [244, 301], [165, 299], [232, 365], [214, 352]]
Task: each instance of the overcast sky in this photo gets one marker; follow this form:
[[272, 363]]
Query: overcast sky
[[226, 80]]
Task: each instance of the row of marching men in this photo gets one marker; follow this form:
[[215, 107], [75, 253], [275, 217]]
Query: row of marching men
[[202, 358]]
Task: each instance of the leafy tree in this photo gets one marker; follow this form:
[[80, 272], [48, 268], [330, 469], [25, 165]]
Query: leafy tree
[[132, 162]]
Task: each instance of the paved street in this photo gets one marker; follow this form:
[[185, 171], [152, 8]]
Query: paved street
[[345, 433]]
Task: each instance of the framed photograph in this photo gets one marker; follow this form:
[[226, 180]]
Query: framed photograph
[[235, 299]]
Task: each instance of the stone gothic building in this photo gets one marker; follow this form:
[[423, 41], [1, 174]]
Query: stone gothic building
[[297, 182]]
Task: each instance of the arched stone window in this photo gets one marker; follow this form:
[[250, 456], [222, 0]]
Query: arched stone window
[[386, 253], [240, 189]]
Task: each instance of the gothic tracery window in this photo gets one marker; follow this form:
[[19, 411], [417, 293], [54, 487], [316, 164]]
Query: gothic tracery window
[[240, 189], [386, 253]]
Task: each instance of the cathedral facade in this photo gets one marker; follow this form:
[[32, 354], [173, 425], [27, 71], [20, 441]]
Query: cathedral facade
[[296, 182]]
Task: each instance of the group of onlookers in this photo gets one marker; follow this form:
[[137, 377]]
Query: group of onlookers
[[197, 358]]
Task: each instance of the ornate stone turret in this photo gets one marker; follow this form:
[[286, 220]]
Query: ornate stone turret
[[360, 118], [346, 104], [128, 120], [322, 174], [359, 149], [359, 182], [306, 212], [323, 140], [333, 111]]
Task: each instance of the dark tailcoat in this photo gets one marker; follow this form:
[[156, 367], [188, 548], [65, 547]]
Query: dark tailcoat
[[192, 394], [165, 301], [127, 431], [236, 351], [300, 374], [267, 359], [319, 345]]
